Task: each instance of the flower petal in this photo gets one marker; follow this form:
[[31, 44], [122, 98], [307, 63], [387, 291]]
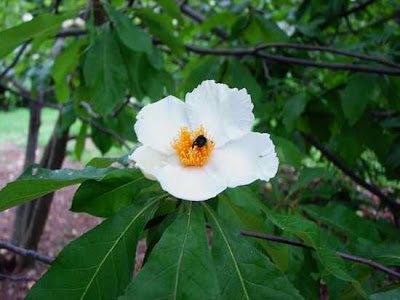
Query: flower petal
[[148, 160], [225, 113], [190, 183], [158, 123], [247, 159]]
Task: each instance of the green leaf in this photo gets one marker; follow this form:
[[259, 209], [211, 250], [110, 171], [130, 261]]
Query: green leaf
[[262, 30], [393, 294], [356, 95], [201, 69], [180, 265], [309, 232], [98, 264], [308, 175], [243, 271], [292, 110], [171, 8], [105, 74], [239, 76], [80, 141], [111, 193], [65, 63], [43, 26], [31, 186], [133, 37], [344, 219], [161, 26], [104, 162], [102, 141], [234, 204], [287, 151]]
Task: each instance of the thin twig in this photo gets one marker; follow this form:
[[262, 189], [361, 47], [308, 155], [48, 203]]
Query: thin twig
[[16, 59], [89, 110], [17, 278], [330, 50], [71, 32], [25, 252], [105, 130], [292, 60], [120, 108], [344, 255], [28, 97], [385, 114], [346, 170]]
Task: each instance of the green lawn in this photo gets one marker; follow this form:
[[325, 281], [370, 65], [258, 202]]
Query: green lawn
[[14, 130]]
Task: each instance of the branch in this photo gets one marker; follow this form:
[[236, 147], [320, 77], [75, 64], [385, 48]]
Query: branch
[[16, 59], [27, 96], [105, 130], [385, 114], [346, 170], [120, 108], [344, 255], [330, 50], [89, 110], [28, 253], [71, 32], [17, 278], [291, 60]]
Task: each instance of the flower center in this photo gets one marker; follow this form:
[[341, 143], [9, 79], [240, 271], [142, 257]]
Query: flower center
[[193, 147]]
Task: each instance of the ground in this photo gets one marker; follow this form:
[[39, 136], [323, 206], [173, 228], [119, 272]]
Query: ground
[[62, 226]]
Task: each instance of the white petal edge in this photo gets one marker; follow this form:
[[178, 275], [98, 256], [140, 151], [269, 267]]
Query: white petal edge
[[190, 183], [148, 160], [225, 113], [247, 159], [159, 123]]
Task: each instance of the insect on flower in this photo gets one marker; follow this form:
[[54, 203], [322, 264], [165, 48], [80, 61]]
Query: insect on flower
[[198, 148]]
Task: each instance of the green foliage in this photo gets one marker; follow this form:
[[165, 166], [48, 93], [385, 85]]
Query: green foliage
[[180, 265], [126, 56], [44, 26], [105, 74], [82, 270], [31, 185]]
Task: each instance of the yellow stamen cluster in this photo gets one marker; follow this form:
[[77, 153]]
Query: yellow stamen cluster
[[188, 155]]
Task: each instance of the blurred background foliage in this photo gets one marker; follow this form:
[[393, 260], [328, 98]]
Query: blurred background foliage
[[323, 77]]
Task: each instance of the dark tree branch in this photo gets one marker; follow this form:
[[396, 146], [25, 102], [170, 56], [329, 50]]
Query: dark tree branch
[[27, 96], [71, 32], [330, 50], [105, 130], [17, 278], [346, 170], [120, 108], [15, 61], [344, 255], [27, 253], [291, 60], [385, 114]]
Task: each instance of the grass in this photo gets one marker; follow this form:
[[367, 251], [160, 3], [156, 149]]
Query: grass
[[14, 129]]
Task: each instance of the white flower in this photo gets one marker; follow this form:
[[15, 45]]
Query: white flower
[[198, 148]]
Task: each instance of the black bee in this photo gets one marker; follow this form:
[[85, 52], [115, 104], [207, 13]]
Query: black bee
[[200, 141]]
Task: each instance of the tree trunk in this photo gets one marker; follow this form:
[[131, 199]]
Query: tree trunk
[[30, 158], [31, 218]]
